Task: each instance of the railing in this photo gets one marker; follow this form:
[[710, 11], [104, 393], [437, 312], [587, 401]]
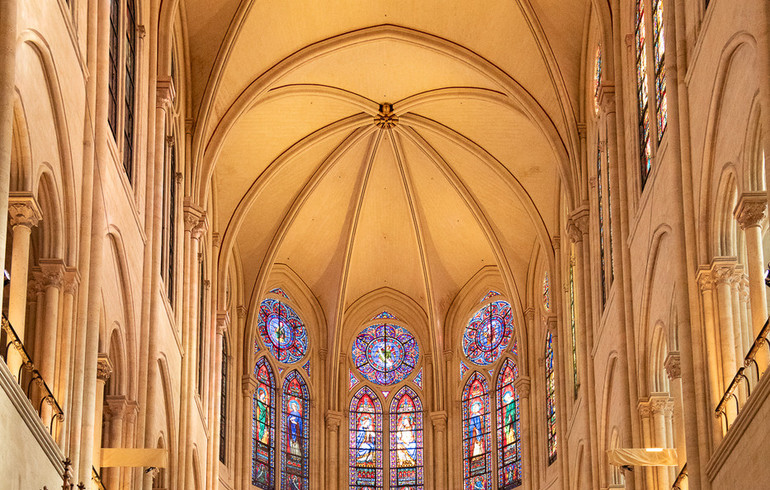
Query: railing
[[680, 478], [742, 378], [35, 378], [97, 478]]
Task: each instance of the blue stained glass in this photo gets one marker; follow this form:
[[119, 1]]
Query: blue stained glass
[[546, 291], [279, 292], [386, 315], [602, 261], [645, 145], [406, 441], [263, 428], [550, 399], [597, 77], [477, 442], [385, 354], [295, 431], [490, 294], [306, 367], [488, 333], [659, 50], [508, 428], [352, 381], [418, 379], [365, 441], [282, 331], [463, 369]]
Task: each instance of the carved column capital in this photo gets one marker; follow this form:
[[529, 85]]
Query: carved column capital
[[249, 384], [438, 419], [722, 273], [751, 209], [661, 405], [644, 409], [241, 311], [103, 367], [673, 365], [529, 315], [552, 324], [705, 280], [200, 227], [71, 281], [23, 210], [578, 223], [333, 420], [192, 215], [116, 405], [216, 240], [523, 385], [223, 322], [52, 273], [164, 93], [607, 98]]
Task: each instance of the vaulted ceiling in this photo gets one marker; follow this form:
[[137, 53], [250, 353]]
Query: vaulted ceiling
[[385, 142]]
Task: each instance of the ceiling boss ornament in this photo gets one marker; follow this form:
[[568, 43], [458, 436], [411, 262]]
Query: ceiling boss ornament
[[385, 119]]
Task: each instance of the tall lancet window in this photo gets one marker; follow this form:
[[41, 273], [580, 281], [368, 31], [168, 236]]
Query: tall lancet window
[[477, 455], [550, 399], [223, 404], [295, 428], [406, 432], [129, 90], [642, 90], [659, 50], [365, 441], [508, 428], [597, 77], [263, 428], [602, 237]]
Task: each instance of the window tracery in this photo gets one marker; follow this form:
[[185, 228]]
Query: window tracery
[[282, 331], [488, 333], [385, 353]]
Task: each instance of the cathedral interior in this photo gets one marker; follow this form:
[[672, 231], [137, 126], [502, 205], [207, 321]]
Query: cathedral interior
[[384, 244]]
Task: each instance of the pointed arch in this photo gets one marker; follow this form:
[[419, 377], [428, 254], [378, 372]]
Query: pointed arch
[[366, 440], [508, 427], [406, 440], [295, 433], [263, 427], [477, 440]]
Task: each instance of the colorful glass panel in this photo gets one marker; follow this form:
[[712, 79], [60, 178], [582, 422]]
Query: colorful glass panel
[[279, 292], [282, 331], [306, 367], [365, 441], [385, 354], [295, 431], [546, 291], [385, 394], [353, 380], [418, 379], [597, 77], [659, 51], [609, 215], [508, 428], [572, 323], [599, 185], [490, 294], [223, 404], [642, 89], [406, 441], [477, 440], [463, 369], [488, 333], [263, 428], [386, 315], [550, 399]]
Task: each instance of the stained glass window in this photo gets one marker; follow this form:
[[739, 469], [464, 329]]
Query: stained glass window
[[488, 333], [642, 89], [572, 323], [385, 314], [385, 353], [659, 51], [129, 89], [546, 291], [306, 367], [490, 294], [508, 428], [352, 381], [599, 184], [609, 216], [365, 441], [280, 292], [295, 433], [418, 379], [282, 331], [406, 463], [550, 399], [112, 113], [263, 428], [597, 77], [463, 369], [477, 441], [223, 405]]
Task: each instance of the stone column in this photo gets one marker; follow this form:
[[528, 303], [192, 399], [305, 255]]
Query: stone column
[[223, 322], [522, 384], [674, 371], [24, 213], [333, 421], [248, 387], [103, 373], [8, 46], [722, 273], [738, 319], [715, 388], [661, 407], [750, 214], [53, 276], [116, 409], [438, 419], [647, 438], [66, 339]]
